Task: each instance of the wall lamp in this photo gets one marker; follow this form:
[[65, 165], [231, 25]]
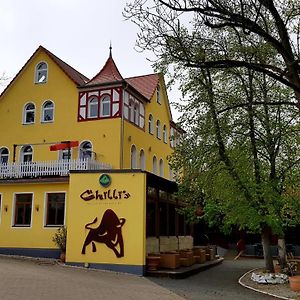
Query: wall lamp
[[37, 207], [6, 207]]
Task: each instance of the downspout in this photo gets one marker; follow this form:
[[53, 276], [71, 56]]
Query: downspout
[[122, 131]]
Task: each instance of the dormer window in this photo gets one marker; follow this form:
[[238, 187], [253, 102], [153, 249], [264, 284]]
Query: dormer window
[[41, 73], [29, 113]]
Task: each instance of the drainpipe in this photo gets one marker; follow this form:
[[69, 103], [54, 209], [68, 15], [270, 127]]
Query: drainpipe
[[14, 152]]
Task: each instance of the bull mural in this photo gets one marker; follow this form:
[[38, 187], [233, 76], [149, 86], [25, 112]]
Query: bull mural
[[109, 232]]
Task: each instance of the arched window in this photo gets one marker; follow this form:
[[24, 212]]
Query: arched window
[[26, 153], [165, 134], [133, 157], [158, 129], [172, 141], [142, 160], [161, 168], [48, 111], [154, 164], [93, 107], [105, 106], [4, 155], [85, 150], [150, 124], [29, 113], [158, 96], [41, 73]]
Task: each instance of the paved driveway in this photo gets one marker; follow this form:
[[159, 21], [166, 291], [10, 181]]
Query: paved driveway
[[33, 280], [43, 280], [219, 282]]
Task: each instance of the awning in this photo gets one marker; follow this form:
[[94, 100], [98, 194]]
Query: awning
[[64, 145]]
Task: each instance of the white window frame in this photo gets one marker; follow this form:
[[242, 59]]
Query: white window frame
[[83, 151], [46, 208], [105, 100], [23, 154], [90, 104], [150, 124], [158, 129], [133, 157], [158, 94], [161, 168], [5, 155], [142, 160], [44, 109], [26, 111], [13, 225], [165, 134], [41, 71], [154, 165]]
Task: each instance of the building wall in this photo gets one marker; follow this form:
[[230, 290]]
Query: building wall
[[82, 212], [150, 143], [103, 134], [37, 236]]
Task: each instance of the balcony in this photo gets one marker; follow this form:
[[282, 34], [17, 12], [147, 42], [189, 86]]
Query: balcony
[[35, 169]]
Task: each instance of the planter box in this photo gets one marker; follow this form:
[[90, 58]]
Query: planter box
[[169, 260]]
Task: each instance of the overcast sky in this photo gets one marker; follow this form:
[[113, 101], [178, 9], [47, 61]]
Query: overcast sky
[[79, 32]]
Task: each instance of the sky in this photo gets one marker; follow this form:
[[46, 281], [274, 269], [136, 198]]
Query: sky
[[78, 32]]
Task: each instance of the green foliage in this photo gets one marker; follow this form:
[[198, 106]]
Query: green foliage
[[60, 238]]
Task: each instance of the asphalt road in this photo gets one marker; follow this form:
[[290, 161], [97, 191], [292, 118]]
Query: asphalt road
[[219, 282]]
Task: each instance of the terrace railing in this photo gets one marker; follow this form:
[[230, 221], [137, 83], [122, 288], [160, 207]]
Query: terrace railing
[[48, 168]]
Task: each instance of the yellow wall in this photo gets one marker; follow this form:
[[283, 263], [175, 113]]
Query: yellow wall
[[142, 139], [82, 212], [104, 134], [36, 236]]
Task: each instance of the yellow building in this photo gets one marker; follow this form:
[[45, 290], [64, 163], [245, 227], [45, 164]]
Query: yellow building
[[62, 133]]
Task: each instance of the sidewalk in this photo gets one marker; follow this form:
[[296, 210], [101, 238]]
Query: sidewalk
[[32, 279]]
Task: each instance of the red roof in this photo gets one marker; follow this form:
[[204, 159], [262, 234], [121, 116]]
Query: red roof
[[146, 84], [74, 75], [108, 74]]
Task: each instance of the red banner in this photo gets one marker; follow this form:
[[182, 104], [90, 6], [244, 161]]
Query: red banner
[[64, 145]]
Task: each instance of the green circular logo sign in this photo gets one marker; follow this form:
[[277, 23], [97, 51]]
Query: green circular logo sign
[[105, 180]]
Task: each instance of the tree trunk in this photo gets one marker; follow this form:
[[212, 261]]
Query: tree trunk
[[282, 253], [266, 242]]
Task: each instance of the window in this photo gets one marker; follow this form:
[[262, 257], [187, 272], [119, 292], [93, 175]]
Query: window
[[150, 124], [165, 134], [142, 160], [4, 155], [158, 99], [29, 113], [41, 73], [48, 111], [93, 107], [55, 206], [85, 150], [23, 208], [65, 154], [161, 168], [172, 142], [105, 106], [133, 157], [131, 111], [154, 164], [26, 154], [136, 115], [158, 129]]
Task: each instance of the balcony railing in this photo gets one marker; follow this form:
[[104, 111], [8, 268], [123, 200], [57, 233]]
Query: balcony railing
[[48, 168]]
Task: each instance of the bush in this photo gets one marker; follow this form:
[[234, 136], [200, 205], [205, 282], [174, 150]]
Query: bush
[[60, 238]]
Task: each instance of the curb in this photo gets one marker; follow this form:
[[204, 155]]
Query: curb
[[259, 291]]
